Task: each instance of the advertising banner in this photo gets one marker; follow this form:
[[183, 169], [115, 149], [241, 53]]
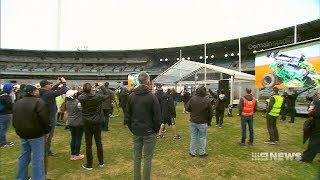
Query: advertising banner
[[296, 66]]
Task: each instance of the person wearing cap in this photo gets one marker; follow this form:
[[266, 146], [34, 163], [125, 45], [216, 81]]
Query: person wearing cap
[[75, 124], [48, 93], [5, 113], [31, 123], [314, 141]]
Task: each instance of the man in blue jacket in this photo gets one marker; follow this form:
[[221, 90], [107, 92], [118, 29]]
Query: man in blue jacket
[[48, 93], [5, 114]]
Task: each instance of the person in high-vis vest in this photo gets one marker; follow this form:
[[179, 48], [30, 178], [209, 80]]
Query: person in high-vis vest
[[273, 112], [247, 107]]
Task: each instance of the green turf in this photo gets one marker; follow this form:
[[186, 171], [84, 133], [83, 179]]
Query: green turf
[[226, 160]]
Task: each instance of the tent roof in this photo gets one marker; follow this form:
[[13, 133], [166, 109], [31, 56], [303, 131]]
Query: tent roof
[[184, 69]]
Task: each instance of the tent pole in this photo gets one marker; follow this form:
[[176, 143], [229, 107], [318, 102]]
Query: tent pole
[[240, 65], [205, 62], [295, 34], [231, 90]]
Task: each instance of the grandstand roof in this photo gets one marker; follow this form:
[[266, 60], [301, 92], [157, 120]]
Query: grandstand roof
[[184, 69]]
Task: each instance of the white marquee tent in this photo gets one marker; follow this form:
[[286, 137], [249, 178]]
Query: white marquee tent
[[184, 69]]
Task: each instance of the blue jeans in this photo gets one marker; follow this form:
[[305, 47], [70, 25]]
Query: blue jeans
[[147, 143], [76, 137], [195, 130], [105, 123], [51, 133], [244, 121], [36, 148], [4, 127]]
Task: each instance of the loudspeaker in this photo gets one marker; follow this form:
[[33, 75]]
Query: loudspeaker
[[223, 84]]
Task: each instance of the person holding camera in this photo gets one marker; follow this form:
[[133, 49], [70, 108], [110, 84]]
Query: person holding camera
[[92, 116], [48, 94]]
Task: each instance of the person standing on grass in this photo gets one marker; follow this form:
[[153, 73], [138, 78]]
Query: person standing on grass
[[75, 124], [48, 93], [272, 113], [221, 106], [92, 115], [291, 104], [168, 112], [123, 100], [31, 123], [314, 142], [247, 107], [6, 104], [143, 118], [107, 107], [201, 114]]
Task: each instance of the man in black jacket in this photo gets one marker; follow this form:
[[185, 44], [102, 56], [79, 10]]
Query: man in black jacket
[[221, 106], [314, 141], [31, 122], [201, 113], [48, 94], [91, 105], [168, 112], [143, 119]]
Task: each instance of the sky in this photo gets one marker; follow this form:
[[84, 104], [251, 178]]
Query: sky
[[143, 24]]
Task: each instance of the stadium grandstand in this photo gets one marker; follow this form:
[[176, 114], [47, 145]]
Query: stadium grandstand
[[29, 66]]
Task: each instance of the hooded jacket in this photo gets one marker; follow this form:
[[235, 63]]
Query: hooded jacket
[[143, 115], [200, 107], [167, 107], [30, 117]]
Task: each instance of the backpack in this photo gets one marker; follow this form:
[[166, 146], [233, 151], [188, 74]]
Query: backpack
[[2, 104]]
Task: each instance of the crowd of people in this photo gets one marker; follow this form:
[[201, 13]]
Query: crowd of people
[[33, 112]]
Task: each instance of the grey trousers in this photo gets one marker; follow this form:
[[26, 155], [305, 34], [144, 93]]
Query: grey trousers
[[147, 143]]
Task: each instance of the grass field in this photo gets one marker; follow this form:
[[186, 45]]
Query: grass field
[[226, 160]]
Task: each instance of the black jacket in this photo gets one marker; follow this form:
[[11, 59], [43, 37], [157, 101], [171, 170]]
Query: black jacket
[[143, 114], [30, 117], [91, 105], [200, 108], [167, 107], [107, 104], [222, 102], [290, 100]]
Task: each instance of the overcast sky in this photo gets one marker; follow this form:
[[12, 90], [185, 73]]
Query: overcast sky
[[143, 24]]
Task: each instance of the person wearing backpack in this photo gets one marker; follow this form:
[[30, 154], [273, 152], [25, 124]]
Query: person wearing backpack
[[92, 116], [6, 105], [247, 107]]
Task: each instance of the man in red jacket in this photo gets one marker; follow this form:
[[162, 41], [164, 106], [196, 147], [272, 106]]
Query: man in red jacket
[[247, 107]]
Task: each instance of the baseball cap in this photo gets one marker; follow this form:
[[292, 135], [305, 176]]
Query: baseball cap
[[44, 83], [30, 88]]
